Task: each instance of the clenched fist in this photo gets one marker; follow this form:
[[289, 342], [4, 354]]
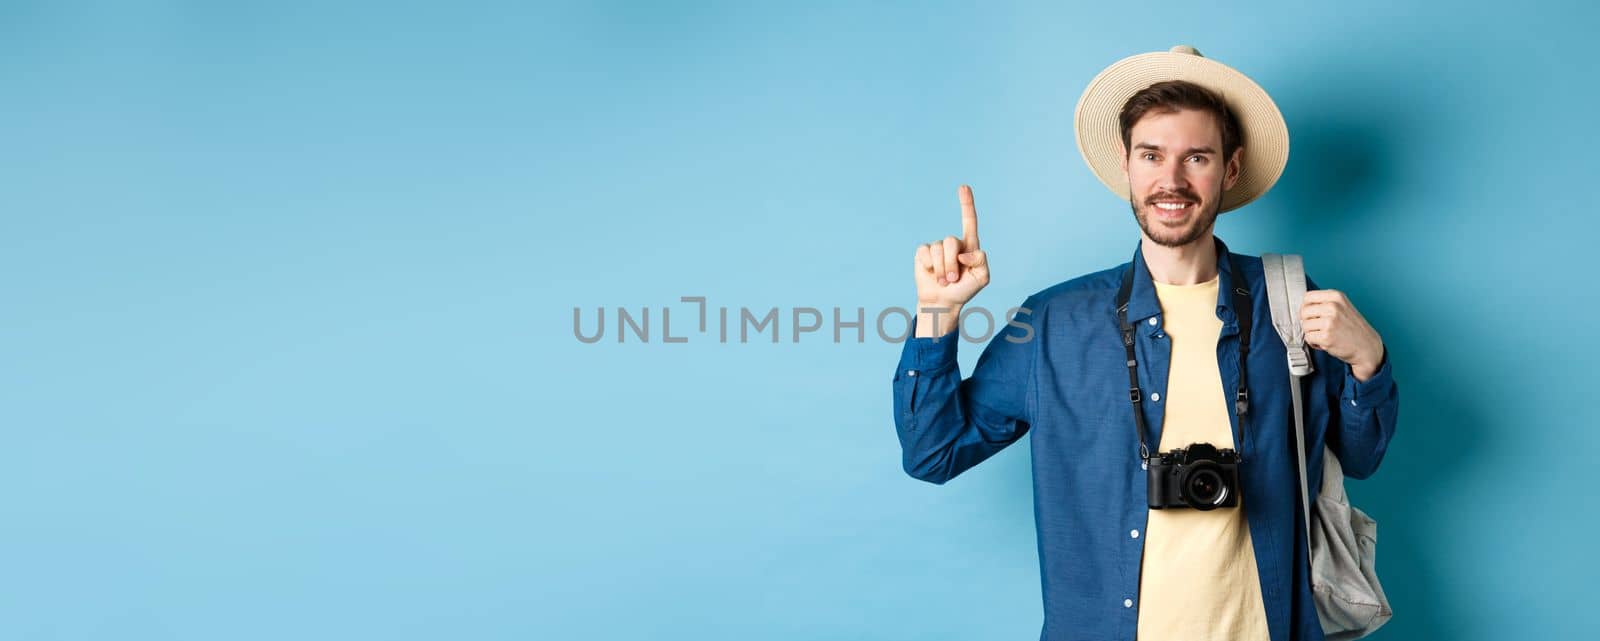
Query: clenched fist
[[950, 272], [1333, 325]]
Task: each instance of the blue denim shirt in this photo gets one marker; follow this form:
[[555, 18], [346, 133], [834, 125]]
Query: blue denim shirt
[[1059, 373]]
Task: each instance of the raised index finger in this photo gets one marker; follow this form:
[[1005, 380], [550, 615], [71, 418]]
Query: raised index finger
[[969, 220]]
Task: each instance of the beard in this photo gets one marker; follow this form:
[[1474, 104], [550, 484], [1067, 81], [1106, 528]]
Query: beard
[[1180, 233]]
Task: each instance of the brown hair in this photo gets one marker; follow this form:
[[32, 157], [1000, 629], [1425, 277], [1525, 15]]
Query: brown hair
[[1171, 95]]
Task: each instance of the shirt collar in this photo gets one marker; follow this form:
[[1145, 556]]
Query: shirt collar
[[1143, 303]]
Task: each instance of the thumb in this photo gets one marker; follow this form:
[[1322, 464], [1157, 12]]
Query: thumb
[[971, 258], [1314, 342]]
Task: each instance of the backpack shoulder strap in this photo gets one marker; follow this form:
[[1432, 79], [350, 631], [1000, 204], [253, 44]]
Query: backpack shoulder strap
[[1286, 289]]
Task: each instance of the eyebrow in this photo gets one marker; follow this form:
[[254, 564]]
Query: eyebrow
[[1192, 150]]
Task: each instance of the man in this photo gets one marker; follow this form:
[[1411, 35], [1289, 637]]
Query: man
[[1183, 138]]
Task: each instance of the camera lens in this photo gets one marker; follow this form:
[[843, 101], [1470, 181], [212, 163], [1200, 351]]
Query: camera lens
[[1203, 488], [1205, 485]]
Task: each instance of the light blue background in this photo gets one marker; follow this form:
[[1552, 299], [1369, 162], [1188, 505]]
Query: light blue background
[[288, 294]]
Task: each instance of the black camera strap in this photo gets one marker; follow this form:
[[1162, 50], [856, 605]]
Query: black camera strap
[[1243, 310]]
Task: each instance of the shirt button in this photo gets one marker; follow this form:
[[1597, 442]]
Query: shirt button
[[1152, 320], [1127, 603], [1155, 396], [1352, 402], [911, 372], [1134, 534]]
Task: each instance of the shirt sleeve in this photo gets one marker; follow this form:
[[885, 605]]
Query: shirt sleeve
[[948, 424]]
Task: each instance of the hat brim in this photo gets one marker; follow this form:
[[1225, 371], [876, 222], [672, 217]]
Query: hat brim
[[1265, 136]]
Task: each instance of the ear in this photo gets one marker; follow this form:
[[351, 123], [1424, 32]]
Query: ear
[[1124, 154], [1235, 166]]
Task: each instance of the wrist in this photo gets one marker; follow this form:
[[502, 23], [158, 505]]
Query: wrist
[[936, 319], [1367, 367]]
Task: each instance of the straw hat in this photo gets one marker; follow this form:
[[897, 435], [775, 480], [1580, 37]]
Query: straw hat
[[1264, 135]]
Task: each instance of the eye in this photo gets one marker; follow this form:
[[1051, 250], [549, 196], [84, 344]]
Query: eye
[[1148, 156], [1198, 157]]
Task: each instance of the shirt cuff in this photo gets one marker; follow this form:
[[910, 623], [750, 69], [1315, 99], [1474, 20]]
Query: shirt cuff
[[1358, 393], [928, 354]]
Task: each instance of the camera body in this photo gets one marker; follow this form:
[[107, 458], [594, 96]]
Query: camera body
[[1199, 476]]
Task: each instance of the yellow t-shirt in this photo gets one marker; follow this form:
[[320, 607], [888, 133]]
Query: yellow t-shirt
[[1198, 581]]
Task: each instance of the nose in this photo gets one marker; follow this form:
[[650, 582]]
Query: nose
[[1173, 177]]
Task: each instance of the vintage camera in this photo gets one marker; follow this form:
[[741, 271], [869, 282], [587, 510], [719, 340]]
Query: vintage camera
[[1199, 476]]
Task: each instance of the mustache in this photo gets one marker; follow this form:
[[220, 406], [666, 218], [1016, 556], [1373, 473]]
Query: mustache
[[1173, 195]]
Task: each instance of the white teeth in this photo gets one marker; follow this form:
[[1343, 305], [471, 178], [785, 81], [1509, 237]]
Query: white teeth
[[1172, 206]]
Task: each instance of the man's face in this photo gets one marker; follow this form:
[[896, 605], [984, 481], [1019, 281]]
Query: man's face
[[1176, 175]]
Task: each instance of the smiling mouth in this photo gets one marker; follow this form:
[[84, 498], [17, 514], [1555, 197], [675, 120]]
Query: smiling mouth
[[1172, 209]]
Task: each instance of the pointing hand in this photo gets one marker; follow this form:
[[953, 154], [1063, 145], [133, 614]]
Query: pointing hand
[[950, 272]]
